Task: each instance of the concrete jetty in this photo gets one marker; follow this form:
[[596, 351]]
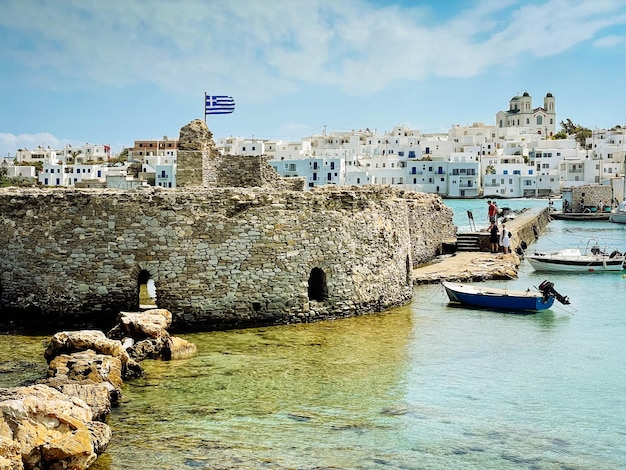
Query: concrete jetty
[[483, 265]]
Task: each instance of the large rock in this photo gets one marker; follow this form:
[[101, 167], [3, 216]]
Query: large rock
[[67, 342], [141, 325], [94, 378], [178, 348], [50, 429], [145, 336]]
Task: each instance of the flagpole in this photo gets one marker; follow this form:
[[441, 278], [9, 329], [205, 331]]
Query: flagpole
[[204, 107]]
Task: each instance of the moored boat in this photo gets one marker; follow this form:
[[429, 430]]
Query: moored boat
[[581, 216], [574, 260], [618, 217], [504, 299]]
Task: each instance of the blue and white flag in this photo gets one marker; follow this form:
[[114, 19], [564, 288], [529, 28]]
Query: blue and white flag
[[218, 104]]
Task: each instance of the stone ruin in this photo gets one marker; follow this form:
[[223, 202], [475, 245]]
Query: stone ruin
[[201, 165]]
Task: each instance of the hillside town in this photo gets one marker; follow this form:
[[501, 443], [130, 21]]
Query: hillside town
[[523, 153]]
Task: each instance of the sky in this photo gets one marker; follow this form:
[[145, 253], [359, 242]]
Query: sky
[[115, 71]]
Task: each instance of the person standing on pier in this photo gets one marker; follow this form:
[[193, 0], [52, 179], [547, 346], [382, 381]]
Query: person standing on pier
[[505, 240], [493, 237], [492, 212]]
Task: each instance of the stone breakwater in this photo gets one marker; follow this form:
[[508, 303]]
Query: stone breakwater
[[59, 423], [219, 257]]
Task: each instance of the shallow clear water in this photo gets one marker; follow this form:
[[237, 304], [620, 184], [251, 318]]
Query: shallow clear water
[[419, 387]]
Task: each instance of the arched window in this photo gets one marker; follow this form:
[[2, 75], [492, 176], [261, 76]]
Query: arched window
[[318, 290], [539, 120], [146, 289]]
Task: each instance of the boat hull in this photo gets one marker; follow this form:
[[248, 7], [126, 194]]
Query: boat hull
[[618, 218], [589, 216], [575, 265], [497, 299]]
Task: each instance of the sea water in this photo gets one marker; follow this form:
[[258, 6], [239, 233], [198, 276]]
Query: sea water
[[426, 386]]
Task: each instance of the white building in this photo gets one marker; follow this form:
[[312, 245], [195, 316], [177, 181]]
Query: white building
[[69, 154], [522, 115], [18, 171]]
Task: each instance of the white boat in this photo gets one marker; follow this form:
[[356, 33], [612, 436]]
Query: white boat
[[574, 260], [618, 217]]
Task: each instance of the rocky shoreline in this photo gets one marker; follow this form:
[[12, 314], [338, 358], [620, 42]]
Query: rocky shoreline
[[58, 423]]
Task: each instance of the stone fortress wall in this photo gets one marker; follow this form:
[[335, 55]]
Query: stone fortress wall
[[229, 248]]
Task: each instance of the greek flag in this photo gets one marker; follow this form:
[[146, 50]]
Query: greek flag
[[218, 104]]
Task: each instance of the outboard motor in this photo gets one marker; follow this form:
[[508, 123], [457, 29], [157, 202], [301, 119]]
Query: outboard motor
[[547, 289]]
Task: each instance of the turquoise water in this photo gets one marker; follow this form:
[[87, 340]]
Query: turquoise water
[[426, 386]]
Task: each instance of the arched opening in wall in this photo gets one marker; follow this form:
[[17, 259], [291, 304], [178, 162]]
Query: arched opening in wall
[[409, 271], [318, 290], [147, 290]]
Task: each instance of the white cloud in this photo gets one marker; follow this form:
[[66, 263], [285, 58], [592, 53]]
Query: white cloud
[[284, 45], [9, 143], [609, 41]]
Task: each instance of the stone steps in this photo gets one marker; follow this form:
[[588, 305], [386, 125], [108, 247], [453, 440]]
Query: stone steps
[[468, 242]]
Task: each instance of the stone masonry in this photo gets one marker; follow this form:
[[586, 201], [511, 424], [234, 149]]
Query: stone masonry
[[219, 256]]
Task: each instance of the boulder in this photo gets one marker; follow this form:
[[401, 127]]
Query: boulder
[[148, 349], [141, 325], [67, 342], [50, 429], [178, 348], [145, 336], [94, 378], [87, 367]]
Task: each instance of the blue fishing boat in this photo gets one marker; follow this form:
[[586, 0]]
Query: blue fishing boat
[[504, 299]]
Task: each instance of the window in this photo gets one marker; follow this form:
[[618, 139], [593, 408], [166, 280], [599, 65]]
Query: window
[[318, 290], [539, 120], [411, 153]]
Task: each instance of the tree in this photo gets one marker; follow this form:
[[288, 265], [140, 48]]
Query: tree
[[581, 133], [134, 169]]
